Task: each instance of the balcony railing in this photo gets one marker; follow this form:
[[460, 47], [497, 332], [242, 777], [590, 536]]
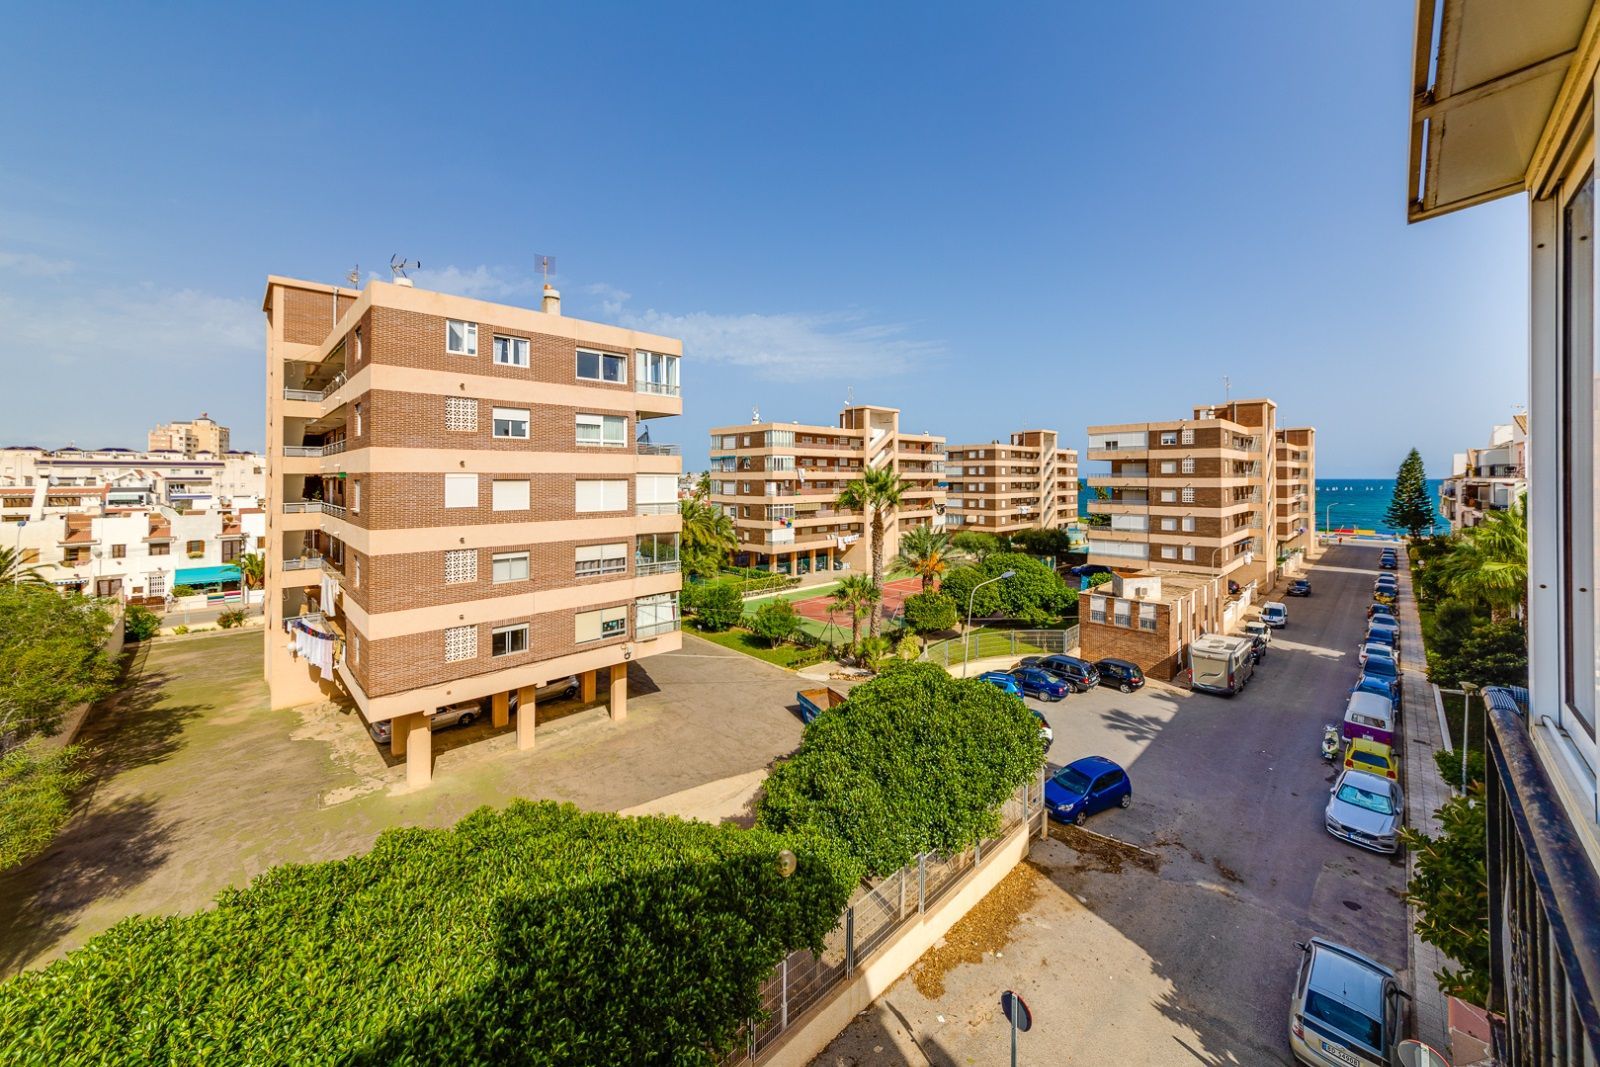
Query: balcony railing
[[313, 395], [335, 510], [301, 507], [644, 568], [302, 563], [668, 508], [333, 448], [303, 451], [654, 629], [656, 388], [659, 450]]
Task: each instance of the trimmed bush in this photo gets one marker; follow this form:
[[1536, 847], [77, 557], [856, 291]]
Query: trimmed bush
[[931, 612], [718, 606], [140, 623], [775, 621], [229, 619], [537, 934], [914, 761], [36, 787]]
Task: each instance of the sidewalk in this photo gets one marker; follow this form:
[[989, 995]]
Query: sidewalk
[[1425, 791]]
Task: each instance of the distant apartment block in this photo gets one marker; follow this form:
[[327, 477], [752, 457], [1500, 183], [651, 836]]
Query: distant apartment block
[[1486, 479], [124, 477], [1201, 494], [189, 438], [1027, 483], [1296, 510], [778, 482], [465, 504]]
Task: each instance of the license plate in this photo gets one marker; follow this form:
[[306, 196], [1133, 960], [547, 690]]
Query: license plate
[[1343, 1055]]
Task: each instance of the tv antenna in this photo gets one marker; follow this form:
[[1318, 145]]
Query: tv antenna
[[1227, 389], [545, 265], [849, 396], [398, 266], [354, 277]]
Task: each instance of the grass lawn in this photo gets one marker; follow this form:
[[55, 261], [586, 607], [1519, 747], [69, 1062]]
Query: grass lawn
[[744, 641]]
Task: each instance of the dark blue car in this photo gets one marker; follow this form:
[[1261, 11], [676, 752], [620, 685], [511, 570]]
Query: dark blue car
[[1003, 680], [1086, 786], [1380, 672], [1384, 687], [1041, 684]]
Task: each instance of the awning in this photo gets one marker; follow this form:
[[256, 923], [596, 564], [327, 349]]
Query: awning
[[205, 575]]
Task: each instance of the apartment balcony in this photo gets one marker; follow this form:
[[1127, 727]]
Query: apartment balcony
[[303, 563], [646, 449], [1131, 552], [669, 507], [303, 451]]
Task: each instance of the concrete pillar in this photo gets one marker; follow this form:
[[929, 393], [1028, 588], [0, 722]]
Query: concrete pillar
[[772, 563], [500, 709], [397, 735], [527, 716], [419, 751], [586, 687], [619, 692]]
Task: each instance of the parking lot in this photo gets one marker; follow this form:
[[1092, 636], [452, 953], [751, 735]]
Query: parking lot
[[1179, 949]]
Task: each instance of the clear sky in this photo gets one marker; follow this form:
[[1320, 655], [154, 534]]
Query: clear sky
[[990, 217]]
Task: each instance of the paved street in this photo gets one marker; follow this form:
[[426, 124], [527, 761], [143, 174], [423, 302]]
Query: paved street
[[1187, 954]]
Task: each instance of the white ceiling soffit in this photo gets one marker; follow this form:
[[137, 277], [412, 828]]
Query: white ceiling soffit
[[1495, 76]]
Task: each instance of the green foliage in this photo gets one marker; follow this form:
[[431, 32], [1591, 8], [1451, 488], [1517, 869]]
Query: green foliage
[[976, 543], [252, 569], [13, 570], [1491, 653], [229, 619], [914, 761], [874, 493], [875, 649], [775, 620], [1100, 579], [718, 606], [908, 647], [707, 537], [1042, 542], [1487, 564], [1411, 509], [857, 596], [926, 552], [140, 623], [1451, 893], [179, 630], [182, 590], [52, 657], [931, 612], [36, 787], [1033, 594], [537, 934], [1449, 764]]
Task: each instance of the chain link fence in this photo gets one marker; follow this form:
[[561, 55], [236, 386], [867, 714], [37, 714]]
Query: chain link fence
[[991, 643]]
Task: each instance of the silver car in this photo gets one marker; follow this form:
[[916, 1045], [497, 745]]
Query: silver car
[[467, 712], [1347, 1010], [1366, 811]]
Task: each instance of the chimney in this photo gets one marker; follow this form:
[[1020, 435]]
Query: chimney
[[552, 300]]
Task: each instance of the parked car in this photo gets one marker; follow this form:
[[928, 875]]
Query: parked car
[[1274, 614], [1045, 732], [1378, 607], [461, 713], [1374, 649], [1347, 1010], [1366, 811], [1384, 687], [1120, 673], [1086, 786], [1037, 682], [1388, 635], [560, 689], [1389, 563], [1261, 635], [1299, 587], [1383, 668], [1003, 680], [1080, 674], [1390, 590], [1364, 755]]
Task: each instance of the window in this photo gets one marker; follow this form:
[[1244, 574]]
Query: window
[[656, 494], [162, 549], [356, 581], [1187, 436], [357, 408], [460, 565], [655, 615], [1169, 496], [595, 625], [355, 649], [1147, 616], [510, 567], [1169, 523], [1169, 552], [601, 559], [119, 551], [460, 490], [656, 373], [355, 496], [1576, 448], [1188, 553], [461, 338], [460, 413], [1097, 609], [602, 366], [508, 640], [196, 548], [460, 642], [1188, 494], [511, 351], [508, 494], [609, 430], [231, 550], [511, 422], [1188, 524], [1170, 437], [602, 495], [358, 344], [1169, 467], [1123, 612]]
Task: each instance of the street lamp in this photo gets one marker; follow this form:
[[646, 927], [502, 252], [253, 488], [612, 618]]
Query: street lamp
[[966, 638], [16, 563], [1327, 516]]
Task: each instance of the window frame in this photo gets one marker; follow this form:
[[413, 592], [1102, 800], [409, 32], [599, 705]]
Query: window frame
[[525, 495], [509, 416], [511, 630], [602, 564], [498, 558], [469, 334], [460, 481], [600, 366], [588, 418], [512, 341]]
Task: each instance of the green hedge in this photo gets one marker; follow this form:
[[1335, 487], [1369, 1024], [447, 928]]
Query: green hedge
[[914, 761], [537, 934]]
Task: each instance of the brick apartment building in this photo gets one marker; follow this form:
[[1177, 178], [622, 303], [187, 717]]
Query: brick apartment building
[[463, 503], [1150, 619], [1026, 484], [778, 482], [1201, 494]]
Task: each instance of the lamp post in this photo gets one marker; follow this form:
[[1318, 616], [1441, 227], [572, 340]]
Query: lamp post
[[1327, 517], [16, 562], [966, 637]]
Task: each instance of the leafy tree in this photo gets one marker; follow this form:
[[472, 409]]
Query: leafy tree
[[1451, 893], [13, 570], [52, 657], [719, 606], [252, 570], [707, 538], [1488, 563], [1102, 578], [776, 621], [1410, 508], [927, 553], [36, 787], [702, 487], [1042, 542], [976, 543], [857, 596], [1494, 653], [914, 761], [140, 623], [1449, 764], [931, 612], [876, 491], [1034, 594]]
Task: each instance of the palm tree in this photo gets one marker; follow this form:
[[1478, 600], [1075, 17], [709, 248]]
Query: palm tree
[[858, 595], [14, 571], [1488, 563], [876, 491], [252, 572], [707, 537], [702, 488], [927, 553]]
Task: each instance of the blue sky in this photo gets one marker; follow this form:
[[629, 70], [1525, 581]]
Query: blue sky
[[1043, 215]]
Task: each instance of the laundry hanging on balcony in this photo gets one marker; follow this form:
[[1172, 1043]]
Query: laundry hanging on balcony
[[322, 649]]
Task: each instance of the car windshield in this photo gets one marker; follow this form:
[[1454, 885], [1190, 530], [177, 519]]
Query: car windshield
[[1366, 798], [1345, 1019], [1072, 780]]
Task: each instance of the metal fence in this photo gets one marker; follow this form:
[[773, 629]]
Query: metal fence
[[989, 643], [875, 914]]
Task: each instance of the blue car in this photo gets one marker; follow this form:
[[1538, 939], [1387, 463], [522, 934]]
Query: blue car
[[1086, 786], [1041, 684], [1389, 563], [1371, 683], [1381, 672], [1003, 680], [1387, 635]]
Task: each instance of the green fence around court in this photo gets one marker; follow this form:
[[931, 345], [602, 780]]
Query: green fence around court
[[992, 643]]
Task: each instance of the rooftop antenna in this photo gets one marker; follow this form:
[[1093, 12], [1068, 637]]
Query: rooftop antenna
[[354, 277], [398, 266], [1227, 389], [849, 396], [755, 416], [545, 265]]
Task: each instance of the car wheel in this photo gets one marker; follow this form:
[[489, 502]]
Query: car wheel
[[467, 719], [1080, 819], [571, 692], [1126, 687], [1126, 801]]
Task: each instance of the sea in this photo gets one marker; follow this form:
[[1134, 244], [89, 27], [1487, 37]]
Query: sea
[[1357, 503]]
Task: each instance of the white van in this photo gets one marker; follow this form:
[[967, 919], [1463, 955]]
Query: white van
[[1275, 614], [1221, 664]]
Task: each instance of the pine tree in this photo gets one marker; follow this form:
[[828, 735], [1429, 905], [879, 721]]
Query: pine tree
[[1411, 509]]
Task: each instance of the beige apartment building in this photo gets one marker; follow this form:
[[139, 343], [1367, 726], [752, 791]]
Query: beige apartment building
[[1026, 484], [778, 482], [188, 438], [1296, 512], [462, 504], [1200, 494]]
